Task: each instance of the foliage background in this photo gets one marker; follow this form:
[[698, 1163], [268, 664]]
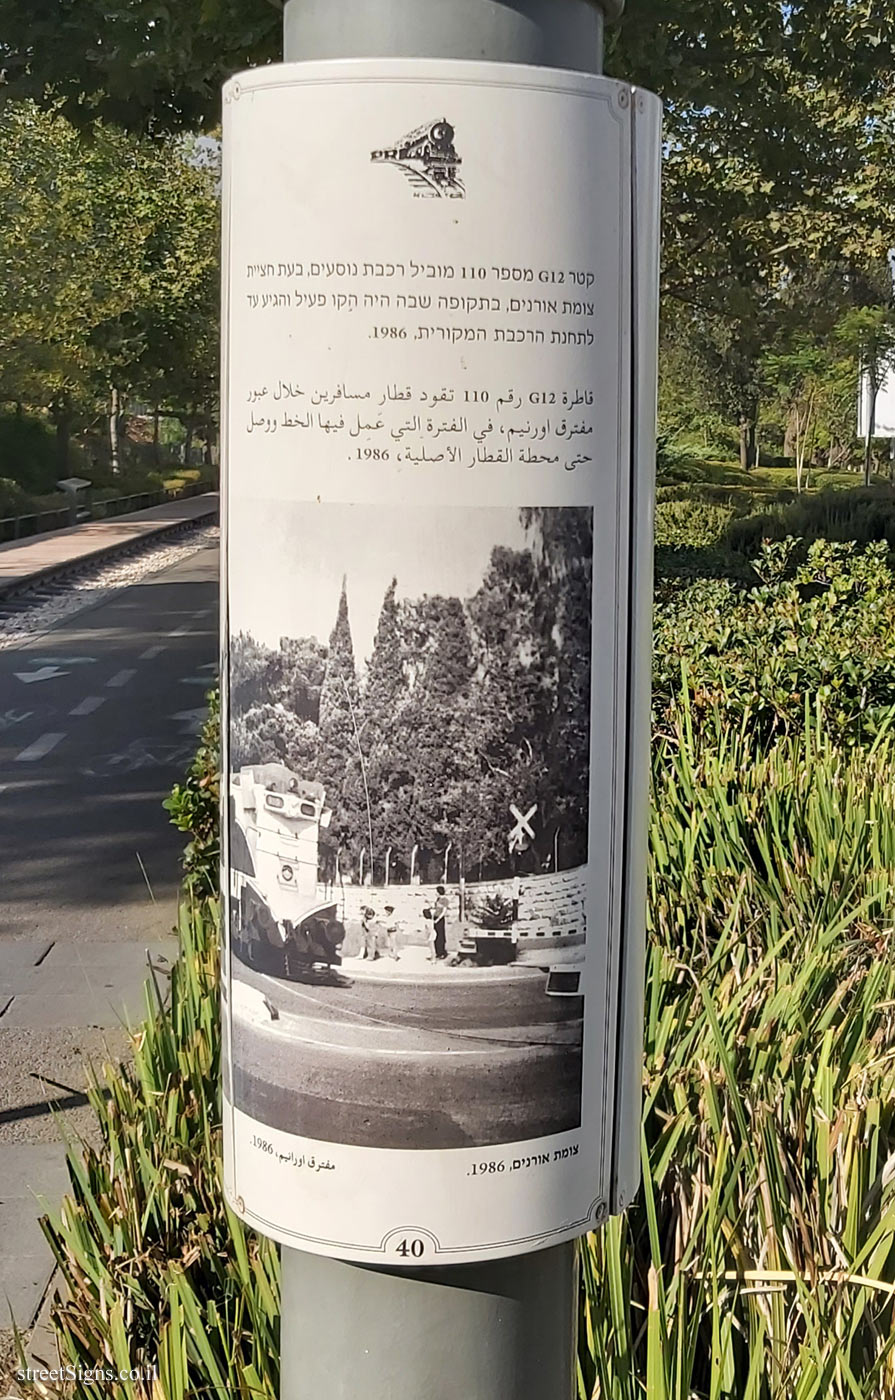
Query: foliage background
[[465, 707]]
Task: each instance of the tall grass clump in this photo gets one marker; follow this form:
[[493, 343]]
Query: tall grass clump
[[758, 1262], [158, 1272], [759, 1259]]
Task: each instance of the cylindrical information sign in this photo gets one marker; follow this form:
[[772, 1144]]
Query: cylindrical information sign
[[433, 376]]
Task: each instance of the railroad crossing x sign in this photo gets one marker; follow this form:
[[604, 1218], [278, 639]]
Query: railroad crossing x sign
[[523, 832]]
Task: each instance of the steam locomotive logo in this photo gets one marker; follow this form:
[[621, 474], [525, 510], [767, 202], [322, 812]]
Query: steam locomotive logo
[[428, 157]]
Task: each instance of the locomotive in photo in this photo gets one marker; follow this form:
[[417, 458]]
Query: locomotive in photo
[[278, 924]]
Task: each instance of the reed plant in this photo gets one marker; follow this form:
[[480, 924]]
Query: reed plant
[[759, 1259], [159, 1275], [758, 1262]]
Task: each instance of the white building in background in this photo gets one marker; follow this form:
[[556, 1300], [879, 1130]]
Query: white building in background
[[884, 426]]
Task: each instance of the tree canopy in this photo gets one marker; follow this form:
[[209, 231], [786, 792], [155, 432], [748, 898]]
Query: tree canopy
[[465, 707], [779, 174], [109, 267], [141, 65]]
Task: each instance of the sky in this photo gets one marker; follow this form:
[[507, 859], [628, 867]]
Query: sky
[[287, 561]]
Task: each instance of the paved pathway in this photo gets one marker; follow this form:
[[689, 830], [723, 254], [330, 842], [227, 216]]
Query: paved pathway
[[24, 561], [97, 718]]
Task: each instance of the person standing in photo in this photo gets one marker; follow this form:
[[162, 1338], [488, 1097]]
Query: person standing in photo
[[439, 921], [429, 927], [369, 934], [390, 941]]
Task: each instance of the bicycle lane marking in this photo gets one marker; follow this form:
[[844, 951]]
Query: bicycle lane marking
[[139, 755], [88, 706], [40, 748]]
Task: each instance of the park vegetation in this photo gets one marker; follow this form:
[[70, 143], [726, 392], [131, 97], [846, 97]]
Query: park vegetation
[[758, 1262], [778, 211], [109, 273]]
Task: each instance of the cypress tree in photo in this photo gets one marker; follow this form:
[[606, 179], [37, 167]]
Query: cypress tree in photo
[[437, 735], [337, 762], [562, 544], [383, 737]]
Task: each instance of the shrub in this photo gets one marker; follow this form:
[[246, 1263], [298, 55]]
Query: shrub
[[491, 911], [691, 524], [865, 516], [815, 633], [194, 805], [13, 500], [677, 461], [28, 453]]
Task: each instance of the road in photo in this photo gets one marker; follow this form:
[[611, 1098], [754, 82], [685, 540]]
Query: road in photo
[[451, 1059]]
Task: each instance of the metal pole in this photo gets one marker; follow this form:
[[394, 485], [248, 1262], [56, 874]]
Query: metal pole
[[503, 1330], [551, 33]]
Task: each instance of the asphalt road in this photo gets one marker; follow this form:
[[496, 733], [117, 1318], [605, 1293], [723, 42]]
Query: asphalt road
[[441, 1060], [98, 718]]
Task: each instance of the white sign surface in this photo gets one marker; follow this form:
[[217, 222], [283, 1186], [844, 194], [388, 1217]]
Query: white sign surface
[[427, 371]]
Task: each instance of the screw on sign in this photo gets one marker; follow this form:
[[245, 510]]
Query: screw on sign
[[523, 833]]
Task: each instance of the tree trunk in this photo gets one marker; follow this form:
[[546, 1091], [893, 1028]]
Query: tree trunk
[[188, 445], [747, 443], [868, 441], [744, 445], [800, 454], [156, 435], [114, 410], [62, 421]]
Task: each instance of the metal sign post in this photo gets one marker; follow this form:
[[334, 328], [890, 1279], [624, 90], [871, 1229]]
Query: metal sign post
[[440, 310]]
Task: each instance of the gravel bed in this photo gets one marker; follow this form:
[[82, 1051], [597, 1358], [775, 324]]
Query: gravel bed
[[30, 613]]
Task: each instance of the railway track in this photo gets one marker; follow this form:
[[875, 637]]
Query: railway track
[[33, 608]]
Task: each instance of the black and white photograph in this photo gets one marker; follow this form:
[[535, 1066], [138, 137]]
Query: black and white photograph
[[409, 742]]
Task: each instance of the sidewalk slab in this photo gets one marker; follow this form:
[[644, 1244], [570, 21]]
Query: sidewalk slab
[[25, 562], [83, 984], [27, 1172], [20, 955], [42, 1349]]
